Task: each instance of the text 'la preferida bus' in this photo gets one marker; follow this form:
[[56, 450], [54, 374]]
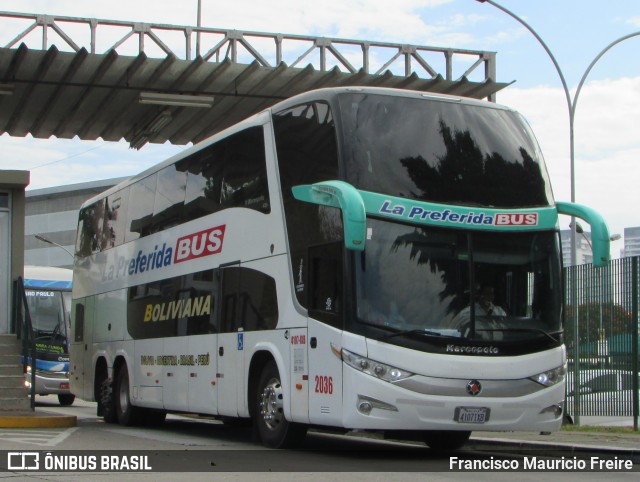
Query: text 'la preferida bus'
[[355, 258]]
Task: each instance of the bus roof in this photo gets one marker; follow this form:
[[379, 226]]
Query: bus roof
[[318, 94], [48, 277]]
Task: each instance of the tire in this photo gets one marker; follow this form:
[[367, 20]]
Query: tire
[[125, 412], [106, 402], [445, 440], [273, 429], [66, 399]]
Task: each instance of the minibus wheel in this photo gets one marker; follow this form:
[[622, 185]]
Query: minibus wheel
[[66, 399]]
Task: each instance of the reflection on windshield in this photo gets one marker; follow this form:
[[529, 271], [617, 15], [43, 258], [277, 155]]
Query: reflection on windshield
[[442, 282], [445, 152]]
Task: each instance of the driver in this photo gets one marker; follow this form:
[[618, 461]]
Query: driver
[[484, 307], [484, 304]]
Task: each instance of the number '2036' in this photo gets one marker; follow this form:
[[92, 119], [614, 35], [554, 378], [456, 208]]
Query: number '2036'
[[324, 384]]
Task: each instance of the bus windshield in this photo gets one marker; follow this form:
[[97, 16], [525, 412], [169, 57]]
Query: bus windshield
[[451, 283], [48, 316], [444, 152]]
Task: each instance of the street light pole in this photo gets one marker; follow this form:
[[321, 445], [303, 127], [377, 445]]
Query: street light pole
[[39, 237], [198, 24], [593, 62], [571, 107], [570, 103]]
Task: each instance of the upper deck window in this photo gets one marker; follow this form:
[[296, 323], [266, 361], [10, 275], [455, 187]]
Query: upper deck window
[[229, 173], [441, 151]]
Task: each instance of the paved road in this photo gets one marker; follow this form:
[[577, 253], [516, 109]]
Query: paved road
[[186, 443]]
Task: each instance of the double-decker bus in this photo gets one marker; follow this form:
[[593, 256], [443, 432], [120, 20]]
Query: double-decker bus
[[324, 263], [48, 294]]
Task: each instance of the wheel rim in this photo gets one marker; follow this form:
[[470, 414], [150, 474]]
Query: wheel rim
[[271, 405]]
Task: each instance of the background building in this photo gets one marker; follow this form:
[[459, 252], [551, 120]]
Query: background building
[[583, 249], [53, 214], [631, 242]]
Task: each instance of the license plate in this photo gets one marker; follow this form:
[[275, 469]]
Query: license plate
[[472, 414]]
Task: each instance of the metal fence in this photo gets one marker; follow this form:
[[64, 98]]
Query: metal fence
[[601, 335]]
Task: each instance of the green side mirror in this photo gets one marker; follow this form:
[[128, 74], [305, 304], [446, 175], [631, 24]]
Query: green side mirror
[[600, 240], [342, 195]]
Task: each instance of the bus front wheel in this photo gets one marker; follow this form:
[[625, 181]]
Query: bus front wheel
[[274, 429], [445, 440]]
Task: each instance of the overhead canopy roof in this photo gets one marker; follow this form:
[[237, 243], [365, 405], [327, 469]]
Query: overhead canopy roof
[[100, 95]]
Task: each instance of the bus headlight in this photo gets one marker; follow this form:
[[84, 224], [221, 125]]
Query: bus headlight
[[376, 369], [550, 377]]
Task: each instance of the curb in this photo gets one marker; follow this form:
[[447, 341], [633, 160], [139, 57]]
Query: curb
[[552, 448], [32, 420]]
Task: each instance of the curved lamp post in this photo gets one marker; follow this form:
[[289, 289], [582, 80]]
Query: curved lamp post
[[570, 103], [572, 110], [39, 237], [570, 106]]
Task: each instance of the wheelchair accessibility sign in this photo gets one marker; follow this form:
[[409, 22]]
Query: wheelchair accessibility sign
[[240, 341]]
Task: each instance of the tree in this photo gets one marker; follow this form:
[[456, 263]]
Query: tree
[[596, 321]]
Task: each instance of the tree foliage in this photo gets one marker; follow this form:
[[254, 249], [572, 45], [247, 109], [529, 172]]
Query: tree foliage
[[597, 321]]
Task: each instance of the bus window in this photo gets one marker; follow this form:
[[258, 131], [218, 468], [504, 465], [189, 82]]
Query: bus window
[[168, 209], [306, 146], [244, 180], [202, 195], [230, 173], [78, 334], [179, 306], [141, 211], [90, 229], [203, 290], [326, 283], [258, 301], [249, 300], [307, 153], [116, 217]]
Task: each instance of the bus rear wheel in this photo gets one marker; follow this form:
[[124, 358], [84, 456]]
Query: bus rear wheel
[[274, 429], [125, 412], [445, 440], [66, 399], [106, 402]]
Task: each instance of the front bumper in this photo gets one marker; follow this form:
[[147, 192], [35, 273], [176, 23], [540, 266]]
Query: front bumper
[[392, 407], [49, 383]]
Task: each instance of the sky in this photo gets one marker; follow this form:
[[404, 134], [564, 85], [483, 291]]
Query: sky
[[607, 114]]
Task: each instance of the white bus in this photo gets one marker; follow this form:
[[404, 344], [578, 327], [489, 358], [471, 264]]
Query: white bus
[[320, 265], [48, 294]]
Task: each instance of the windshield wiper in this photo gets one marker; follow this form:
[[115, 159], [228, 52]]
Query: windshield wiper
[[411, 332]]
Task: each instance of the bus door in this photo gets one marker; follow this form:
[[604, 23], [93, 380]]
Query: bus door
[[230, 359], [325, 333], [80, 362]]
